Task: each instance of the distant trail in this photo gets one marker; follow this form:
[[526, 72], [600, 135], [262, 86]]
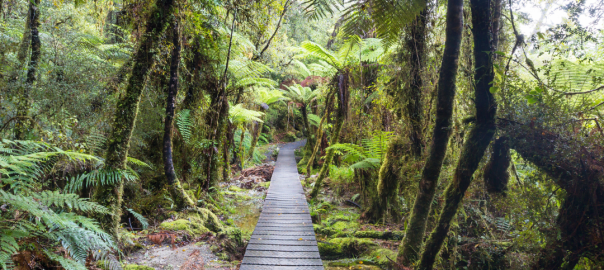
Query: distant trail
[[284, 237]]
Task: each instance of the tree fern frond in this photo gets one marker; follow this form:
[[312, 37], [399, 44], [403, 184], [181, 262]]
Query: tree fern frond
[[137, 162], [317, 9], [316, 51], [314, 119], [140, 218], [368, 163], [239, 115]]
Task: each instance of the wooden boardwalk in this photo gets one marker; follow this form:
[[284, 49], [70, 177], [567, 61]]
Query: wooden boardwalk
[[284, 237]]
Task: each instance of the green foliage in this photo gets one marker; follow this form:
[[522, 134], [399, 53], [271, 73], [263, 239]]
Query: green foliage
[[367, 156], [184, 122], [44, 214], [238, 115], [300, 94]]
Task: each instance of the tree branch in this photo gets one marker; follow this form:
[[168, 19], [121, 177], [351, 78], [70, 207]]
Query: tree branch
[[268, 43]]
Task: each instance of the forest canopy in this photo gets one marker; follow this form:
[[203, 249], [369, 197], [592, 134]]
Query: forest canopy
[[435, 134]]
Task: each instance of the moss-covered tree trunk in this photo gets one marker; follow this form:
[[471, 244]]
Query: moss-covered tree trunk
[[479, 136], [415, 45], [319, 136], [110, 195], [24, 123], [411, 244], [335, 137], [178, 193], [343, 94], [576, 166], [385, 204], [256, 133]]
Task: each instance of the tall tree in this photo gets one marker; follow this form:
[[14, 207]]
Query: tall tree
[[389, 175], [479, 136], [415, 44], [33, 22], [411, 244], [110, 195], [176, 190]]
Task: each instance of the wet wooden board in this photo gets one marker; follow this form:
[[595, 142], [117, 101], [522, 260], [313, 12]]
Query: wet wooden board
[[284, 237]]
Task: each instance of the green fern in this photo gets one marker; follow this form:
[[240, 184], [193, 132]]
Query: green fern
[[49, 216], [368, 155], [140, 218], [184, 124]]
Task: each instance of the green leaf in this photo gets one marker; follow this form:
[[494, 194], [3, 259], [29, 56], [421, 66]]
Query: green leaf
[[494, 89], [540, 35], [500, 53]]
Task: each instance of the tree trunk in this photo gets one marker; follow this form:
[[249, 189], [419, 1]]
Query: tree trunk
[[335, 137], [26, 39], [389, 177], [479, 136], [178, 193], [320, 134], [24, 122], [577, 167], [110, 195], [416, 44], [257, 132], [411, 244]]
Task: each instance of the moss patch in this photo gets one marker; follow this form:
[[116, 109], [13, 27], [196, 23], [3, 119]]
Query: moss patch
[[191, 227], [137, 267], [383, 256], [345, 248]]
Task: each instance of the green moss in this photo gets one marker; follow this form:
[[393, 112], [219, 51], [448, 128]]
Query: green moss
[[235, 189], [324, 230], [193, 223], [137, 267], [343, 225], [345, 247], [383, 257], [191, 227]]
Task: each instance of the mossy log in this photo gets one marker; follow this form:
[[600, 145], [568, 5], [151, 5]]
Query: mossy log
[[338, 248], [383, 235]]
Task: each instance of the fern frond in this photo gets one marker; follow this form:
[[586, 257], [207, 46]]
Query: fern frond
[[184, 124], [368, 163], [140, 218], [314, 119]]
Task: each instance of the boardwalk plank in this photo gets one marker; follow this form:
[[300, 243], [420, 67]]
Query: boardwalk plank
[[284, 238]]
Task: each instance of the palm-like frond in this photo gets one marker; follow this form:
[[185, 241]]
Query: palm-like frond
[[300, 94], [266, 95], [316, 9], [249, 82], [315, 51], [239, 115], [387, 17]]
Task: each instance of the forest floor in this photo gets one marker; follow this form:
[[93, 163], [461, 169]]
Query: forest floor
[[344, 242]]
